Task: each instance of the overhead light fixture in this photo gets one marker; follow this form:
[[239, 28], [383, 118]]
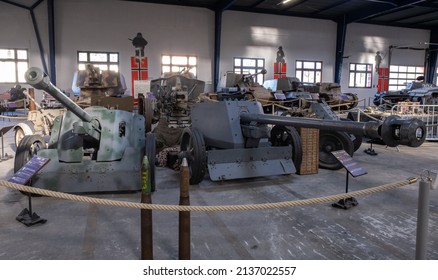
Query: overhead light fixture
[[283, 2]]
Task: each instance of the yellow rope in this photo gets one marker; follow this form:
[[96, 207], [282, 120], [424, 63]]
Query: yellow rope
[[11, 117], [304, 202]]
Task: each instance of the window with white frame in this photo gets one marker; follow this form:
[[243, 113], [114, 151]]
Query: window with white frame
[[399, 75], [308, 71], [245, 65], [102, 60], [13, 64], [179, 64], [360, 75]]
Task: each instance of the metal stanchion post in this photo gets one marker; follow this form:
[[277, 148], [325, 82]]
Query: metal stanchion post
[[146, 215], [422, 219], [184, 216]]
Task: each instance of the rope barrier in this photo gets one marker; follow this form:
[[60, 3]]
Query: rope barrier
[[11, 117], [127, 204]]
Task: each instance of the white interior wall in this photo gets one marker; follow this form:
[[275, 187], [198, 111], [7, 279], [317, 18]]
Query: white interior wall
[[364, 40], [260, 35], [106, 25], [17, 31]]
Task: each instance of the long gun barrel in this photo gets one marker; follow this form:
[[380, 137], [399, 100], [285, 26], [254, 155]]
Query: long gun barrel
[[393, 131], [40, 80]]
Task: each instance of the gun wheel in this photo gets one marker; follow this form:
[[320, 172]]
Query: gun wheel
[[288, 135], [19, 134], [150, 152], [193, 149], [148, 114], [356, 138], [28, 147], [333, 141]]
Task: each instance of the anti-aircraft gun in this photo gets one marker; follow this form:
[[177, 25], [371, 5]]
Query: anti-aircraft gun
[[174, 95], [241, 145], [168, 105], [90, 150]]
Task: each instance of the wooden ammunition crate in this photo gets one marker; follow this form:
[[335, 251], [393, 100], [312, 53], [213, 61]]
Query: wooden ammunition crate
[[310, 145]]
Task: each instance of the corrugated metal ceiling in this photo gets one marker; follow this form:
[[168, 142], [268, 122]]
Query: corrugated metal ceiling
[[404, 13]]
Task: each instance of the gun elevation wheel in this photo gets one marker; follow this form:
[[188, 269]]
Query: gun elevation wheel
[[193, 149], [333, 141], [288, 135]]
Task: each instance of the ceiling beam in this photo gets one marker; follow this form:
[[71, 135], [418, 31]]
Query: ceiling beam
[[224, 5], [376, 9], [412, 15], [257, 3], [291, 5], [331, 6], [279, 12], [424, 21], [173, 2], [15, 4], [36, 4]]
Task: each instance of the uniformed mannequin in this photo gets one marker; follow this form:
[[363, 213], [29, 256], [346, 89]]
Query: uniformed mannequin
[[280, 55], [378, 60], [139, 43]]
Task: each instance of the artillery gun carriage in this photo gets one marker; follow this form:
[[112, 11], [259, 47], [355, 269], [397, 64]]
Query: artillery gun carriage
[[242, 145], [90, 150]]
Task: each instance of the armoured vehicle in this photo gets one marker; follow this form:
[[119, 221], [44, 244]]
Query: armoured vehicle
[[12, 99], [241, 145], [426, 95], [93, 86], [332, 94], [415, 91], [242, 86], [329, 92], [90, 150]]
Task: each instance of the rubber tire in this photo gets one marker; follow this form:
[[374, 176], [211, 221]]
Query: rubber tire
[[25, 151], [333, 141], [193, 148], [356, 138], [19, 134], [277, 138]]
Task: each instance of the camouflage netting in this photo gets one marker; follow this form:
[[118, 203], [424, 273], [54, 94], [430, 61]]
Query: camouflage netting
[[166, 136], [168, 140]]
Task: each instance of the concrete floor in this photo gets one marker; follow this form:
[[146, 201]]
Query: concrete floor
[[381, 227]]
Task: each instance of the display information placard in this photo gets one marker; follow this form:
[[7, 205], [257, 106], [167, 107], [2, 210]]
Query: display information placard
[[348, 162], [25, 173]]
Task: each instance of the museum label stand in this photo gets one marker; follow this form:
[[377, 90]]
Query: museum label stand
[[352, 168], [23, 176], [3, 131]]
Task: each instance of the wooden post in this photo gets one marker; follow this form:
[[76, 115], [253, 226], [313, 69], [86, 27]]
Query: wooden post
[[146, 215], [32, 106], [184, 216]]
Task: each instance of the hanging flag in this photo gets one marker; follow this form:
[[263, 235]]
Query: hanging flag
[[279, 70], [139, 72]]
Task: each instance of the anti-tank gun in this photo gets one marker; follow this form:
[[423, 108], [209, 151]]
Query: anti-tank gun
[[90, 150], [241, 145]]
